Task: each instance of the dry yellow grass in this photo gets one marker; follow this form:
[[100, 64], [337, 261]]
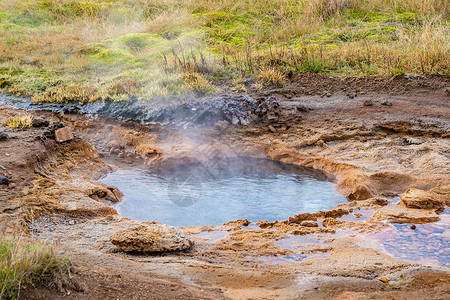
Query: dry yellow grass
[[271, 77], [23, 262], [64, 50], [198, 82], [21, 122]]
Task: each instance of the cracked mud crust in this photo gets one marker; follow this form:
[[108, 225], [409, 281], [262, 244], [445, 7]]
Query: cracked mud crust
[[373, 153]]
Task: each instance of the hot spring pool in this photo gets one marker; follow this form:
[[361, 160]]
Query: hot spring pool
[[219, 191]]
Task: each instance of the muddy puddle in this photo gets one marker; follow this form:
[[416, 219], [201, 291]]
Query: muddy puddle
[[218, 191], [427, 244]]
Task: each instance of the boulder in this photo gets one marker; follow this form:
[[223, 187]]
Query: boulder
[[360, 192], [114, 194], [151, 238], [40, 122], [355, 187], [104, 192], [63, 135], [415, 198], [400, 214], [443, 192]]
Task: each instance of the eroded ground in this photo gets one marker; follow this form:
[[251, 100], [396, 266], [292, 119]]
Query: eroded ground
[[374, 152]]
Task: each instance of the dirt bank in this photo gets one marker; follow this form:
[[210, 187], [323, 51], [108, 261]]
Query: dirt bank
[[374, 146]]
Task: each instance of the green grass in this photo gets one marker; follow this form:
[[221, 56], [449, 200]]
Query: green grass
[[72, 50], [23, 263], [22, 122]]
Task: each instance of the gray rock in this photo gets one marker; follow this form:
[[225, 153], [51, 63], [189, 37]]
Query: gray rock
[[3, 136], [151, 238], [411, 141], [386, 103], [302, 108], [4, 180], [40, 122]]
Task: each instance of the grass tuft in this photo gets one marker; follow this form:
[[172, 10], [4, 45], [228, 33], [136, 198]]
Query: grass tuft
[[271, 77], [23, 263], [198, 83], [21, 122]]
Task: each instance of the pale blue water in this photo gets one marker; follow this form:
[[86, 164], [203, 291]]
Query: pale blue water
[[217, 192]]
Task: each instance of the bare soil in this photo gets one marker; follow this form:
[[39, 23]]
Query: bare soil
[[342, 127], [97, 282]]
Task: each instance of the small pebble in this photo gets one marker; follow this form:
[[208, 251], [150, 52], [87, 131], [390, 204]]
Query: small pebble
[[319, 143], [61, 252], [4, 180], [386, 103], [367, 103], [358, 215], [352, 95], [302, 108], [3, 136], [272, 129], [412, 226], [440, 210], [308, 223], [383, 279], [71, 222]]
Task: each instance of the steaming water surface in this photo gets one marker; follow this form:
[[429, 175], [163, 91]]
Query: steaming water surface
[[219, 191]]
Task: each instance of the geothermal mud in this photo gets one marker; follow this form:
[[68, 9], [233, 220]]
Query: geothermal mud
[[374, 147]]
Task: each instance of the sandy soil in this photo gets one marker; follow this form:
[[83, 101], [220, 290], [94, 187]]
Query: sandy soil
[[373, 152]]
